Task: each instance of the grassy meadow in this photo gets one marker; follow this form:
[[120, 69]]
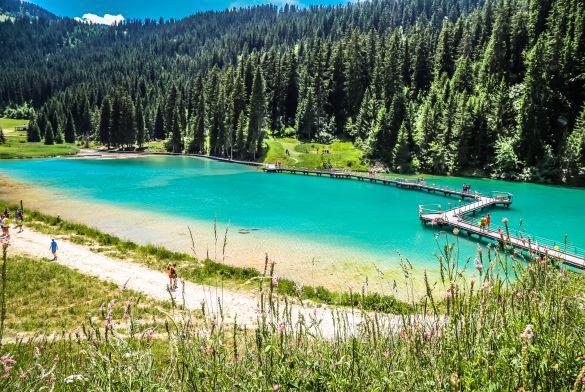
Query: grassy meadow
[[484, 333], [16, 145], [310, 155], [45, 297]]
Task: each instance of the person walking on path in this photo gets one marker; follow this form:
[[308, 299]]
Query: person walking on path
[[5, 223], [54, 248], [19, 219], [172, 273]]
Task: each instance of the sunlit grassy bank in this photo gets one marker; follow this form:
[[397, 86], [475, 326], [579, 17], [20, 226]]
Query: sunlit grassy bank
[[483, 333], [314, 155], [16, 145]]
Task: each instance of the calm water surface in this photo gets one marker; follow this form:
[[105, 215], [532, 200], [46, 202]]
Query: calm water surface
[[364, 216]]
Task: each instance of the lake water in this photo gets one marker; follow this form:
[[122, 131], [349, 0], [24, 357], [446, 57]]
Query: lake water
[[365, 218]]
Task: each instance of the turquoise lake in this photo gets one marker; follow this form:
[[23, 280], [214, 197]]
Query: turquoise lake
[[359, 215]]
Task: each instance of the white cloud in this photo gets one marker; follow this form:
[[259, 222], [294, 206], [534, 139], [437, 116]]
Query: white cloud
[[107, 19]]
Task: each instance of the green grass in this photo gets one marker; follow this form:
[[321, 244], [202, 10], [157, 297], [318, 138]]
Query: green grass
[[486, 333], [16, 145], [45, 297], [310, 155], [202, 271], [155, 146], [8, 124]]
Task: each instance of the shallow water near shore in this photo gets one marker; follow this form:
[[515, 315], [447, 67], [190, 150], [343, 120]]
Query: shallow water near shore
[[320, 230]]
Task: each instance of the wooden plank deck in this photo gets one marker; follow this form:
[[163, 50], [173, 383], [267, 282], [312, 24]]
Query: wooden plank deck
[[399, 182], [454, 218]]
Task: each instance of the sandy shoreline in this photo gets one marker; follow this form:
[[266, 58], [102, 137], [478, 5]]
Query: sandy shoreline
[[304, 261]]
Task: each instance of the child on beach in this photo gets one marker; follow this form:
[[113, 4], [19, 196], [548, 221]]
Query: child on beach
[[54, 248], [172, 273]]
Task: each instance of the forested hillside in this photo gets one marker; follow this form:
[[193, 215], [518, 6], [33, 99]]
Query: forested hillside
[[23, 8], [487, 87]]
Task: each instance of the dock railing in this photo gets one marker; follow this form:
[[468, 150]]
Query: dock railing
[[564, 246]]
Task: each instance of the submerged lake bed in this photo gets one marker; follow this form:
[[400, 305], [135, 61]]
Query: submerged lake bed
[[325, 231]]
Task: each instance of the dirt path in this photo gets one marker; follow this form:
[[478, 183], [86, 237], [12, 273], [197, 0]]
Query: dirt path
[[153, 283]]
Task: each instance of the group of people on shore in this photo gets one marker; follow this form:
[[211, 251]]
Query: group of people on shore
[[5, 221]]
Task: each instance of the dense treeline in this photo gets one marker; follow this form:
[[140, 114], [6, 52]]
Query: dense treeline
[[445, 86]]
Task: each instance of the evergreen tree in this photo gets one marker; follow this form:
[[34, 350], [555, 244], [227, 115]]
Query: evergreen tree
[[33, 133], [159, 124], [574, 152], [256, 113], [535, 104], [402, 155], [175, 143], [366, 117], [306, 117], [241, 136], [171, 105], [49, 137], [69, 129], [140, 127], [444, 52], [104, 127], [197, 143]]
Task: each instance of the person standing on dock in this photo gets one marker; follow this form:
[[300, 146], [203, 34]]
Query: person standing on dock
[[488, 220]]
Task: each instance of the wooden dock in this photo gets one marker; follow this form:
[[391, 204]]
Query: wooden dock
[[458, 216], [398, 182]]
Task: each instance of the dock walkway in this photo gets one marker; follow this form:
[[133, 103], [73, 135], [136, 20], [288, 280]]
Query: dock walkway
[[458, 216]]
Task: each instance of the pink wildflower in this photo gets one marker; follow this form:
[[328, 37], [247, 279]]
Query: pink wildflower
[[275, 387], [22, 375], [281, 327], [448, 294], [479, 250], [148, 334], [456, 231], [274, 282], [5, 359], [504, 220]]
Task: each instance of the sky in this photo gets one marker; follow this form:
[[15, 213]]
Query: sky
[[110, 11]]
